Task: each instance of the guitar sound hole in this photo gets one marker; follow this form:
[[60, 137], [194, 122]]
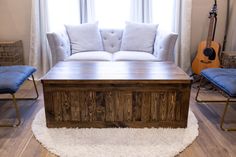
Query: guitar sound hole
[[210, 53]]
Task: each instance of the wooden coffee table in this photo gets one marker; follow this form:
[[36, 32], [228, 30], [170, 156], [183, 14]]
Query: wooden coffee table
[[116, 94]]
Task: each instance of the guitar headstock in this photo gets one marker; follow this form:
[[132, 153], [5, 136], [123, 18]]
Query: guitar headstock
[[213, 12]]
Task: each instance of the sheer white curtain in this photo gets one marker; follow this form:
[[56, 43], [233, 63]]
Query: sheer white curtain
[[183, 28], [112, 13], [63, 12], [163, 13], [141, 11], [39, 56], [231, 37], [48, 15], [87, 11], [175, 15]]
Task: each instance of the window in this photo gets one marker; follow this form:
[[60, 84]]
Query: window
[[112, 13], [62, 12], [163, 13]]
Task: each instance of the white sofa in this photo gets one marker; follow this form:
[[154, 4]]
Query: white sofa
[[163, 48]]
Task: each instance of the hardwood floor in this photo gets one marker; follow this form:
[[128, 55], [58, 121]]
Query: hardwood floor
[[211, 141]]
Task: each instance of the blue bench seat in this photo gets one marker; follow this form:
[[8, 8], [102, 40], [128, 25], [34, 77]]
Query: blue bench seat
[[12, 77], [224, 79]]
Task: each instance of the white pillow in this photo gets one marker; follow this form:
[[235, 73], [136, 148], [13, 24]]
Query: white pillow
[[85, 37], [138, 37]]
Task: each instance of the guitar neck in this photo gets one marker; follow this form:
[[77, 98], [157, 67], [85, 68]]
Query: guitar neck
[[210, 32]]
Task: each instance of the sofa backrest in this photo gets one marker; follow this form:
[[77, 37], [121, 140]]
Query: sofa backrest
[[111, 39], [59, 44], [163, 47]]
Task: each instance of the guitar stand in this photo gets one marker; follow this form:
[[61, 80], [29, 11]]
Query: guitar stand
[[196, 78], [196, 82]]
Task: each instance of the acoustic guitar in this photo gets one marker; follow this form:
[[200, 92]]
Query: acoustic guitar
[[208, 51]]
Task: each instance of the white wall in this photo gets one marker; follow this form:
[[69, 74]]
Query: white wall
[[15, 22]]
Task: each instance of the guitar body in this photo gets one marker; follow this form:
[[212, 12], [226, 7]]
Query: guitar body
[[206, 57]]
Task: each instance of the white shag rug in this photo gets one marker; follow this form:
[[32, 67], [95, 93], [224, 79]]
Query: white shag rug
[[114, 142]]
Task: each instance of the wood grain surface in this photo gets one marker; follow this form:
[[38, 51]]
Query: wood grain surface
[[72, 71]]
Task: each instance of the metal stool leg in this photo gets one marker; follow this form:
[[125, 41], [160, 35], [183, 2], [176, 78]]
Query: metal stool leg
[[199, 87], [18, 117], [223, 117], [35, 87], [215, 101]]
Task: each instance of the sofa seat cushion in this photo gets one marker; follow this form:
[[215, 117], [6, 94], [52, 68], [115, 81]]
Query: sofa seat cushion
[[225, 79], [91, 56], [133, 56], [12, 77]]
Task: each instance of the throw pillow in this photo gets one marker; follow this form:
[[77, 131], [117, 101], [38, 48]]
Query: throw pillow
[[138, 37], [84, 37]]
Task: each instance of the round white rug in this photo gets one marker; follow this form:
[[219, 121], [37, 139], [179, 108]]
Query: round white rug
[[114, 142]]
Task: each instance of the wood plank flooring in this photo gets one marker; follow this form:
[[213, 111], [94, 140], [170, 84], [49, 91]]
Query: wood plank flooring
[[211, 142]]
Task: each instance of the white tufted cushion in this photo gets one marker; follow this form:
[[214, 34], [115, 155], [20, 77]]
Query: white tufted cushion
[[164, 45], [111, 39], [91, 56], [59, 45], [138, 37], [85, 37], [133, 56]]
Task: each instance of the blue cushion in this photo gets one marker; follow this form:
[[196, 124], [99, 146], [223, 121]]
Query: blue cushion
[[11, 77], [225, 79]]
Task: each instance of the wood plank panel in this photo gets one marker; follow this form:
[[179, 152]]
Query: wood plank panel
[[110, 106], [49, 98], [100, 106], [83, 97], [91, 106], [137, 106], [178, 106], [171, 106], [119, 108], [146, 107], [88, 106], [75, 106], [185, 100], [163, 106], [155, 106], [66, 106], [57, 105], [128, 106]]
